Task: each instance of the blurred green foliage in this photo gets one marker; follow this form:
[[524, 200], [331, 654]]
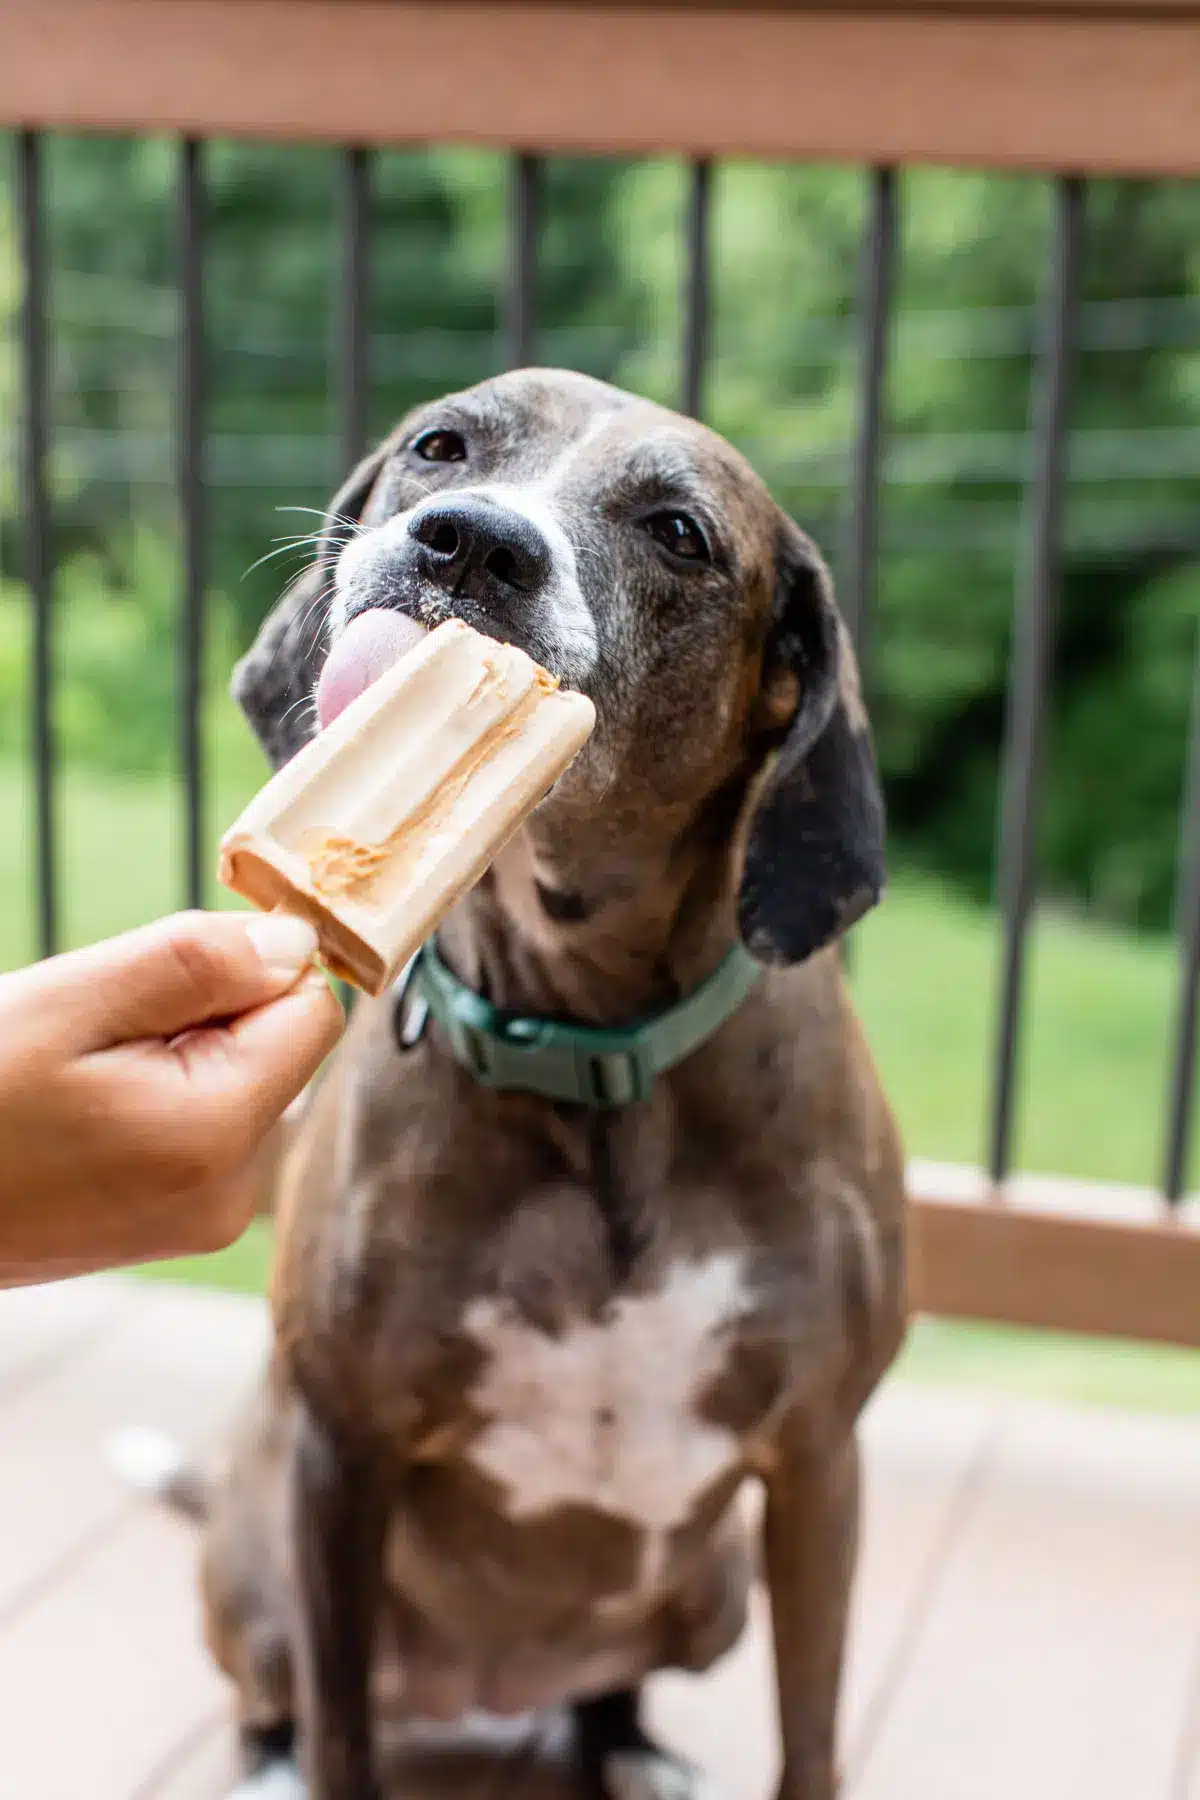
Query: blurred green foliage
[[782, 385]]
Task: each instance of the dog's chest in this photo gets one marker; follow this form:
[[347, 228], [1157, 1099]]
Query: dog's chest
[[610, 1412]]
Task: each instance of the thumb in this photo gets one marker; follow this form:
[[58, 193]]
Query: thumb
[[174, 975]]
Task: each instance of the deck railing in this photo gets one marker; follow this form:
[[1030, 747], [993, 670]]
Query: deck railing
[[1076, 88]]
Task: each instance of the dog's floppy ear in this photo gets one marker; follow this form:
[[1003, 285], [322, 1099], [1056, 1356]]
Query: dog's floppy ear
[[815, 853], [274, 681]]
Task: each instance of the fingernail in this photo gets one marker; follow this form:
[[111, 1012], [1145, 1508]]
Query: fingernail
[[286, 944]]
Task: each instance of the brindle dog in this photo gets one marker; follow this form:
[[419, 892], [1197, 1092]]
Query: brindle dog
[[527, 1353]]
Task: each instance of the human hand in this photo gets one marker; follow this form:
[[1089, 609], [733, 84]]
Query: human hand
[[138, 1079]]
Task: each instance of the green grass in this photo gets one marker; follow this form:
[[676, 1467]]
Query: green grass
[[120, 852], [1095, 1050], [1047, 1365], [243, 1268], [1095, 1035]]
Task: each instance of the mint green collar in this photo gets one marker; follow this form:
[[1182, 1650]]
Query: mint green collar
[[588, 1064]]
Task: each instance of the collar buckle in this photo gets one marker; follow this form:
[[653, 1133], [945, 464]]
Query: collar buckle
[[561, 1062]]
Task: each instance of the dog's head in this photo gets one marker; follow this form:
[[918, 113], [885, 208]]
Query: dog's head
[[638, 557]]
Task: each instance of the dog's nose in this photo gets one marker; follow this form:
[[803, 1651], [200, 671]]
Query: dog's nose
[[471, 544]]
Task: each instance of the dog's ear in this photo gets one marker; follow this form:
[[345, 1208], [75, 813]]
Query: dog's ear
[[815, 854], [274, 681]]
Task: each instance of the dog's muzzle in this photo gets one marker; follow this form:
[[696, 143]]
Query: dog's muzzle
[[496, 558]]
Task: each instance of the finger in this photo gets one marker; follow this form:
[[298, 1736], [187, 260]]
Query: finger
[[172, 976], [243, 1078]]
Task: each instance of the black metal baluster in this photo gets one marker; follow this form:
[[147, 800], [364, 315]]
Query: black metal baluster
[[1032, 652], [354, 332], [35, 509], [696, 286], [1183, 1063], [354, 319], [874, 312], [190, 478], [856, 588], [520, 319]]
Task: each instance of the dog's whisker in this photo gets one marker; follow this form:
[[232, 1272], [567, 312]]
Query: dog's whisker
[[293, 546], [314, 636], [355, 526], [298, 537], [316, 613], [322, 595], [311, 606], [324, 592], [301, 575], [301, 700], [304, 700]]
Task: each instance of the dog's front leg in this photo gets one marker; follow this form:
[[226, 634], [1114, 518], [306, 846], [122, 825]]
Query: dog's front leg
[[337, 1523], [811, 1533]]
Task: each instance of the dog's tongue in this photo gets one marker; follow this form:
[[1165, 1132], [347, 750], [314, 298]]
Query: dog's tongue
[[370, 644]]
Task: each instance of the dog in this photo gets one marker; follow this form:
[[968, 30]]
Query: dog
[[529, 1349]]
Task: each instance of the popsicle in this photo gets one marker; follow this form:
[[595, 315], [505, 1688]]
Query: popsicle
[[395, 809]]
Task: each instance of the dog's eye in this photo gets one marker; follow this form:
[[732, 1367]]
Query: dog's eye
[[441, 446], [679, 534]]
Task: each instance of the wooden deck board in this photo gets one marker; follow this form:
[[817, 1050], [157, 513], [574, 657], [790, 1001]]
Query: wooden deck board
[[106, 1675], [1057, 1655], [171, 1362], [1189, 1773], [40, 1328], [1188, 1785], [202, 1767], [1027, 1619]]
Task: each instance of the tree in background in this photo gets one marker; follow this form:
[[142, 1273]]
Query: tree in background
[[783, 385]]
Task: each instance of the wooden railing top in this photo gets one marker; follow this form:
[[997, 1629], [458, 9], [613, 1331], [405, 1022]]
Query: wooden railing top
[[1139, 10], [1075, 87], [1092, 86]]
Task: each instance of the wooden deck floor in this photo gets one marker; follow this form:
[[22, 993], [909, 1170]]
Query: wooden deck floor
[[1027, 1622]]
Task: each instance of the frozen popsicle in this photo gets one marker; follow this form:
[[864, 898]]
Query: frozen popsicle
[[393, 811]]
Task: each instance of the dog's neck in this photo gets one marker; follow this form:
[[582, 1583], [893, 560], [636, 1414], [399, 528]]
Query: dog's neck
[[602, 926]]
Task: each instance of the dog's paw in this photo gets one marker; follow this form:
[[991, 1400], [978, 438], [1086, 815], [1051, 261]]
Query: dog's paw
[[276, 1781], [654, 1775]]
